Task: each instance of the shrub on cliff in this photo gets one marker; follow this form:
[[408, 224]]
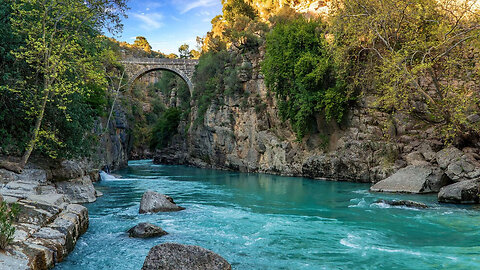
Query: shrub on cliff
[[300, 70], [215, 75], [7, 217], [418, 57]]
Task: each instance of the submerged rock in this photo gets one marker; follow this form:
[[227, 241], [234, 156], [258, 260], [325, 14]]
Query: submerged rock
[[406, 203], [145, 230], [153, 202], [461, 192], [413, 179], [175, 256]]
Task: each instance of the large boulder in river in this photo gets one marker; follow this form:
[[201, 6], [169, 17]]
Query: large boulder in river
[[461, 192], [146, 230], [413, 179], [153, 202], [175, 256]]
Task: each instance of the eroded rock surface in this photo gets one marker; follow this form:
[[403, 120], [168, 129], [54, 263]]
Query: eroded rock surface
[[146, 230], [153, 202], [413, 179], [49, 223], [44, 235], [175, 256], [461, 192]]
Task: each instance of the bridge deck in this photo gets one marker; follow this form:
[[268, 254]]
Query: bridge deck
[[159, 61]]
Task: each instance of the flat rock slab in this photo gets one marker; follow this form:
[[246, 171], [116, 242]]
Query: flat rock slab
[[146, 230], [175, 256], [53, 199], [79, 190], [153, 202], [413, 179], [462, 192]]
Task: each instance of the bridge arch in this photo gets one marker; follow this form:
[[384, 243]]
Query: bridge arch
[[146, 70], [137, 67]]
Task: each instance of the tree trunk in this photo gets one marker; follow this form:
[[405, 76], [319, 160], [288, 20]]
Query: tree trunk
[[38, 124]]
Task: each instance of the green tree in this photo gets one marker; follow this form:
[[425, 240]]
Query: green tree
[[195, 54], [142, 43], [184, 51], [299, 69], [165, 128], [233, 9], [58, 38], [12, 109], [418, 56]]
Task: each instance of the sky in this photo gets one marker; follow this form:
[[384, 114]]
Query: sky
[[167, 24]]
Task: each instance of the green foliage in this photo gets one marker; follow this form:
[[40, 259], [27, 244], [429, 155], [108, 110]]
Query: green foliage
[[215, 75], [148, 103], [299, 69], [59, 84], [233, 9], [416, 56], [142, 43], [184, 51], [13, 107], [165, 128], [7, 217]]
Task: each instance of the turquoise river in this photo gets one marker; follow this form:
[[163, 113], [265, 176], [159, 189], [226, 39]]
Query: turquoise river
[[259, 221]]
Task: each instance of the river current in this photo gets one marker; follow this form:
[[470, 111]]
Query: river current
[[258, 221]]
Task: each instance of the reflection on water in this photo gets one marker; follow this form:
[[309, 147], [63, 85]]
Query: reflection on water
[[259, 221]]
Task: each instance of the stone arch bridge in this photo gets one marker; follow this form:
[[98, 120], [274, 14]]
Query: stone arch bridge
[[137, 67]]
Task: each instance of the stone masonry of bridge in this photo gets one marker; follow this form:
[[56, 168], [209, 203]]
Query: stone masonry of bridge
[[137, 67]]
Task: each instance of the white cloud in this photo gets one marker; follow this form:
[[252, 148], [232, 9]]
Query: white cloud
[[149, 21], [197, 4], [175, 18], [203, 13]]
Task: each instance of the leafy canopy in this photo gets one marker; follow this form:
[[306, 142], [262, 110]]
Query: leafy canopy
[[299, 69], [62, 76], [419, 56]]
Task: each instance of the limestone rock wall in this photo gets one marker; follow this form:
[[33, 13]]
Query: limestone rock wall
[[244, 132], [50, 219], [115, 141]]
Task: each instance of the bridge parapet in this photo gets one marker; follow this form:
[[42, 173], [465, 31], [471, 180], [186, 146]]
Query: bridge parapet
[[163, 61]]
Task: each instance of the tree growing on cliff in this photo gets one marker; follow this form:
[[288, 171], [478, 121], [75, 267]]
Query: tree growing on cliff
[[58, 38], [420, 56], [142, 43], [300, 70]]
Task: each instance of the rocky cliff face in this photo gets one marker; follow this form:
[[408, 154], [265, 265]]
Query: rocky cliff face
[[115, 141], [245, 133]]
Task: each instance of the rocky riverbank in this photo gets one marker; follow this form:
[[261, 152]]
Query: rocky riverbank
[[50, 219]]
